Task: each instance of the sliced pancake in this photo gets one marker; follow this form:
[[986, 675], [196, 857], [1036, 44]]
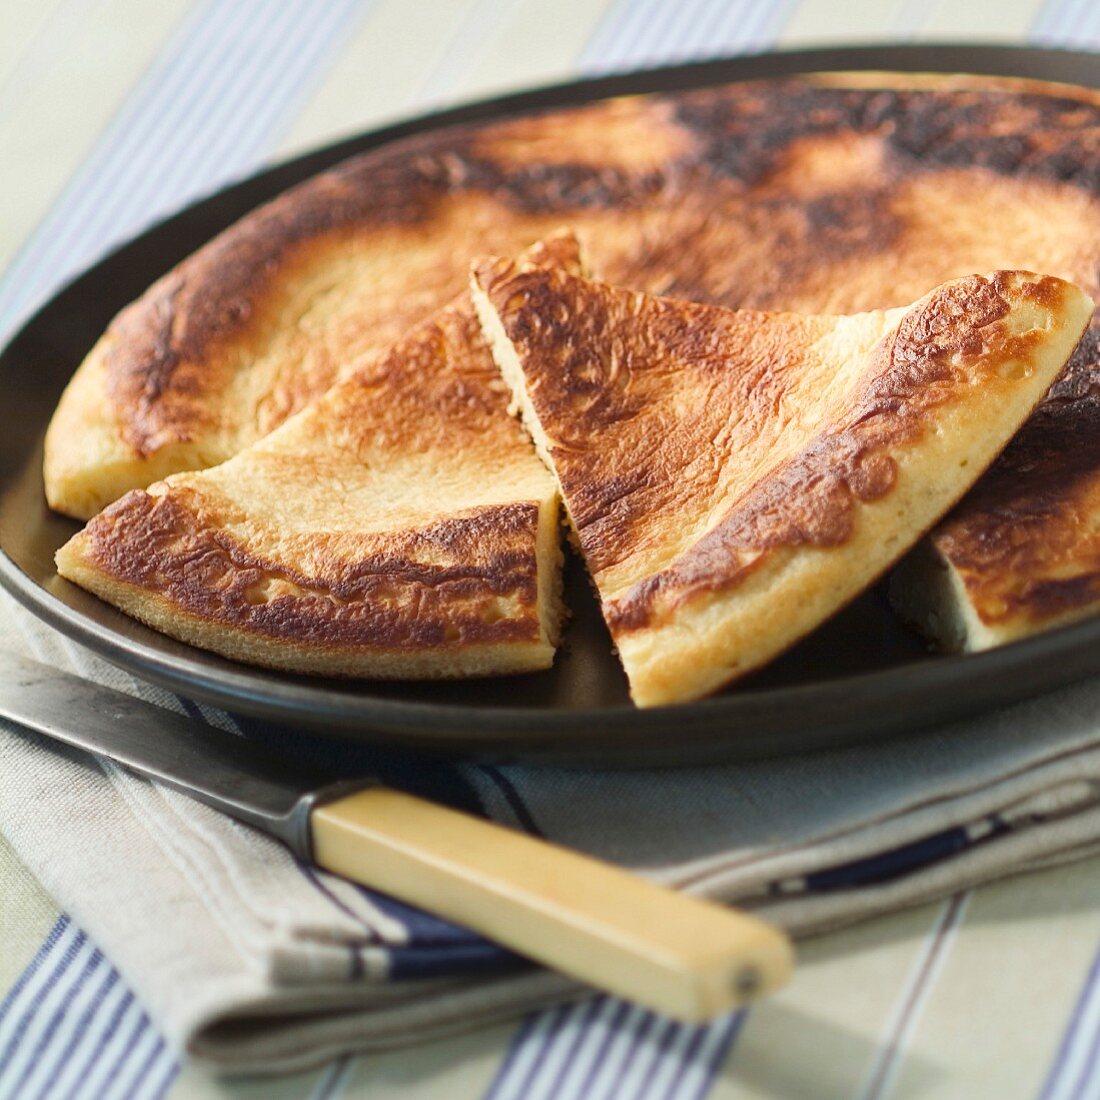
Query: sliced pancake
[[827, 193], [1022, 552], [399, 527], [734, 477], [831, 193]]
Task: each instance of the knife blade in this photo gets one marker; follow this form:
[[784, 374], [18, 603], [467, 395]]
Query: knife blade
[[682, 956]]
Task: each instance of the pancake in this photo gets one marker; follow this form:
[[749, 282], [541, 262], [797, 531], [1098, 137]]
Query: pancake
[[735, 477], [399, 527], [833, 193], [1022, 553]]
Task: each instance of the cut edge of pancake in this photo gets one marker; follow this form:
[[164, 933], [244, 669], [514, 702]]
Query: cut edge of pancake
[[507, 360], [930, 595], [808, 582]]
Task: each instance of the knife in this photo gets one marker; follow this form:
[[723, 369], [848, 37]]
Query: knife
[[683, 956]]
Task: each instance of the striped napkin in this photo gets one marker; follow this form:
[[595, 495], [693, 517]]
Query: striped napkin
[[253, 962]]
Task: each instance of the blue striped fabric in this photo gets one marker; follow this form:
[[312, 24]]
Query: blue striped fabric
[[334, 1080], [640, 33], [1075, 1072], [213, 104], [1073, 23], [70, 1029], [604, 1049], [215, 101], [884, 866], [912, 998]]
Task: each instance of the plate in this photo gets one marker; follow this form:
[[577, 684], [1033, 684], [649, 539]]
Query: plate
[[859, 676]]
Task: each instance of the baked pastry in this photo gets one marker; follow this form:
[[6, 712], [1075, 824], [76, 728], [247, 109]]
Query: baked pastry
[[1022, 551], [832, 193], [399, 527], [735, 477]]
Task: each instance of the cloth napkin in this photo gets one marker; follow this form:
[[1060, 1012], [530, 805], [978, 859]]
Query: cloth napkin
[[252, 962]]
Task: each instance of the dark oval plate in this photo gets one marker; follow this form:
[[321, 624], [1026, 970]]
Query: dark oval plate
[[861, 675]]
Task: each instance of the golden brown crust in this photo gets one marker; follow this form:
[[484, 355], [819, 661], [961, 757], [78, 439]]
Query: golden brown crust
[[598, 359], [947, 342], [400, 526], [1026, 541], [831, 193], [465, 580], [160, 360], [1049, 134], [735, 476], [163, 355]]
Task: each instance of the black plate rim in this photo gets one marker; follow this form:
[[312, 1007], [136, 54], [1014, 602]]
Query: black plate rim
[[535, 734]]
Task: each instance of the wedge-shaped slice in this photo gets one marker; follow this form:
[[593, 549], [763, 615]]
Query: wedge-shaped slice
[[401, 526], [735, 477], [1021, 554]]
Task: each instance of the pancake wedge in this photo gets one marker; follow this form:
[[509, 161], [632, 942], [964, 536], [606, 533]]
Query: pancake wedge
[[734, 477], [399, 527], [1021, 553]]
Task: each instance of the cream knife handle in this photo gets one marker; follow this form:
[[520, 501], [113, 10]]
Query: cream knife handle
[[682, 956]]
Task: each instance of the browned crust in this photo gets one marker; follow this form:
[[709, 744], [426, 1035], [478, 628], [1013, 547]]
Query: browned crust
[[435, 387], [159, 348], [360, 573], [1012, 537], [1050, 135], [586, 349], [812, 499], [718, 209], [466, 580]]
